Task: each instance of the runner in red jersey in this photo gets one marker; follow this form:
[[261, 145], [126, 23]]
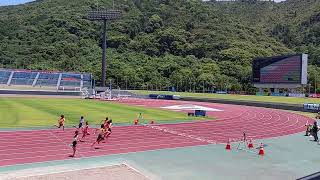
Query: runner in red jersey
[[85, 131]]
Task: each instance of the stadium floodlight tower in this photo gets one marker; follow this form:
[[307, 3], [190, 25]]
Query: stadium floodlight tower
[[104, 15]]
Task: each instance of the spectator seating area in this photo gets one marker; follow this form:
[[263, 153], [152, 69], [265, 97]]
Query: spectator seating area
[[58, 80]]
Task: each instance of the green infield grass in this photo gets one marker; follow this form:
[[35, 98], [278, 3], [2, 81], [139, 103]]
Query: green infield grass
[[274, 99], [35, 112]]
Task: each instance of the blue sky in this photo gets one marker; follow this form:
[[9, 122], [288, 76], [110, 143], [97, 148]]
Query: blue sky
[[14, 2]]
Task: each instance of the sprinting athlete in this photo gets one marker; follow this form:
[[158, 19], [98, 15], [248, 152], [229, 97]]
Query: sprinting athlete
[[81, 122], [106, 124], [104, 121], [85, 131], [61, 122], [100, 137], [75, 142], [107, 127]]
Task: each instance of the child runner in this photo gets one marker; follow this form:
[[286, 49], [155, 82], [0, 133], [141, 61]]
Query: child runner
[[75, 142], [81, 121], [106, 124], [61, 122], [110, 124], [104, 121], [108, 128], [85, 131], [308, 130], [100, 136]]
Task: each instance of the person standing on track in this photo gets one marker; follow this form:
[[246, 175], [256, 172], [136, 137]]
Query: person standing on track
[[61, 122], [315, 130]]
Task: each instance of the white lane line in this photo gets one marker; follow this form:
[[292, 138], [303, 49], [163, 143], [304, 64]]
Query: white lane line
[[59, 139], [167, 130]]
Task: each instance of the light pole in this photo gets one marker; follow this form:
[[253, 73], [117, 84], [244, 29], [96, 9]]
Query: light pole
[[126, 83], [104, 15], [203, 88], [315, 81]]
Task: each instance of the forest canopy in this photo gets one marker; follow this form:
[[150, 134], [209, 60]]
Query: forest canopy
[[189, 44]]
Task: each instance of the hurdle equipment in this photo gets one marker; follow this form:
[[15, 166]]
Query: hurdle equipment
[[250, 145], [228, 146], [261, 150]]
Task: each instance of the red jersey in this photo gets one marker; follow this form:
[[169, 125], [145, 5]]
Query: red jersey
[[86, 129], [106, 125]]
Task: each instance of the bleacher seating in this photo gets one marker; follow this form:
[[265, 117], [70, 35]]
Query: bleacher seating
[[73, 80], [23, 78], [87, 80], [4, 76], [58, 80], [47, 79]]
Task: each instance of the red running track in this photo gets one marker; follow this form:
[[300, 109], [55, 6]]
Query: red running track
[[46, 145]]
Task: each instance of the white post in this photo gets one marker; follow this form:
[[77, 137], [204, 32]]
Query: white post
[[10, 78], [35, 79], [59, 81], [81, 82]]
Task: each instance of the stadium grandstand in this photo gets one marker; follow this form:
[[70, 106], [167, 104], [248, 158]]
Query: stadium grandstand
[[45, 79]]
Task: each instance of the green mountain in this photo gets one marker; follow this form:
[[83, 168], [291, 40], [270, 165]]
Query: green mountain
[[190, 44]]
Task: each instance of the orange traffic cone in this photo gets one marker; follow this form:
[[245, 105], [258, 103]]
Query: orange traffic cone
[[136, 122], [228, 146], [250, 145], [261, 151]]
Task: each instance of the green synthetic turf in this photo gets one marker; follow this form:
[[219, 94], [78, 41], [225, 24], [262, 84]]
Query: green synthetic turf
[[34, 112], [274, 99]]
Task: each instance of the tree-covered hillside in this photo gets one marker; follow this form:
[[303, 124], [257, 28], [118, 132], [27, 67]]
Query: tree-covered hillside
[[156, 44]]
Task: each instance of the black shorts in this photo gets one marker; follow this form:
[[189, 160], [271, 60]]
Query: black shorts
[[80, 125], [100, 138], [74, 144]]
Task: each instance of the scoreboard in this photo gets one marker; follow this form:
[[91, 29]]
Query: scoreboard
[[289, 69]]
